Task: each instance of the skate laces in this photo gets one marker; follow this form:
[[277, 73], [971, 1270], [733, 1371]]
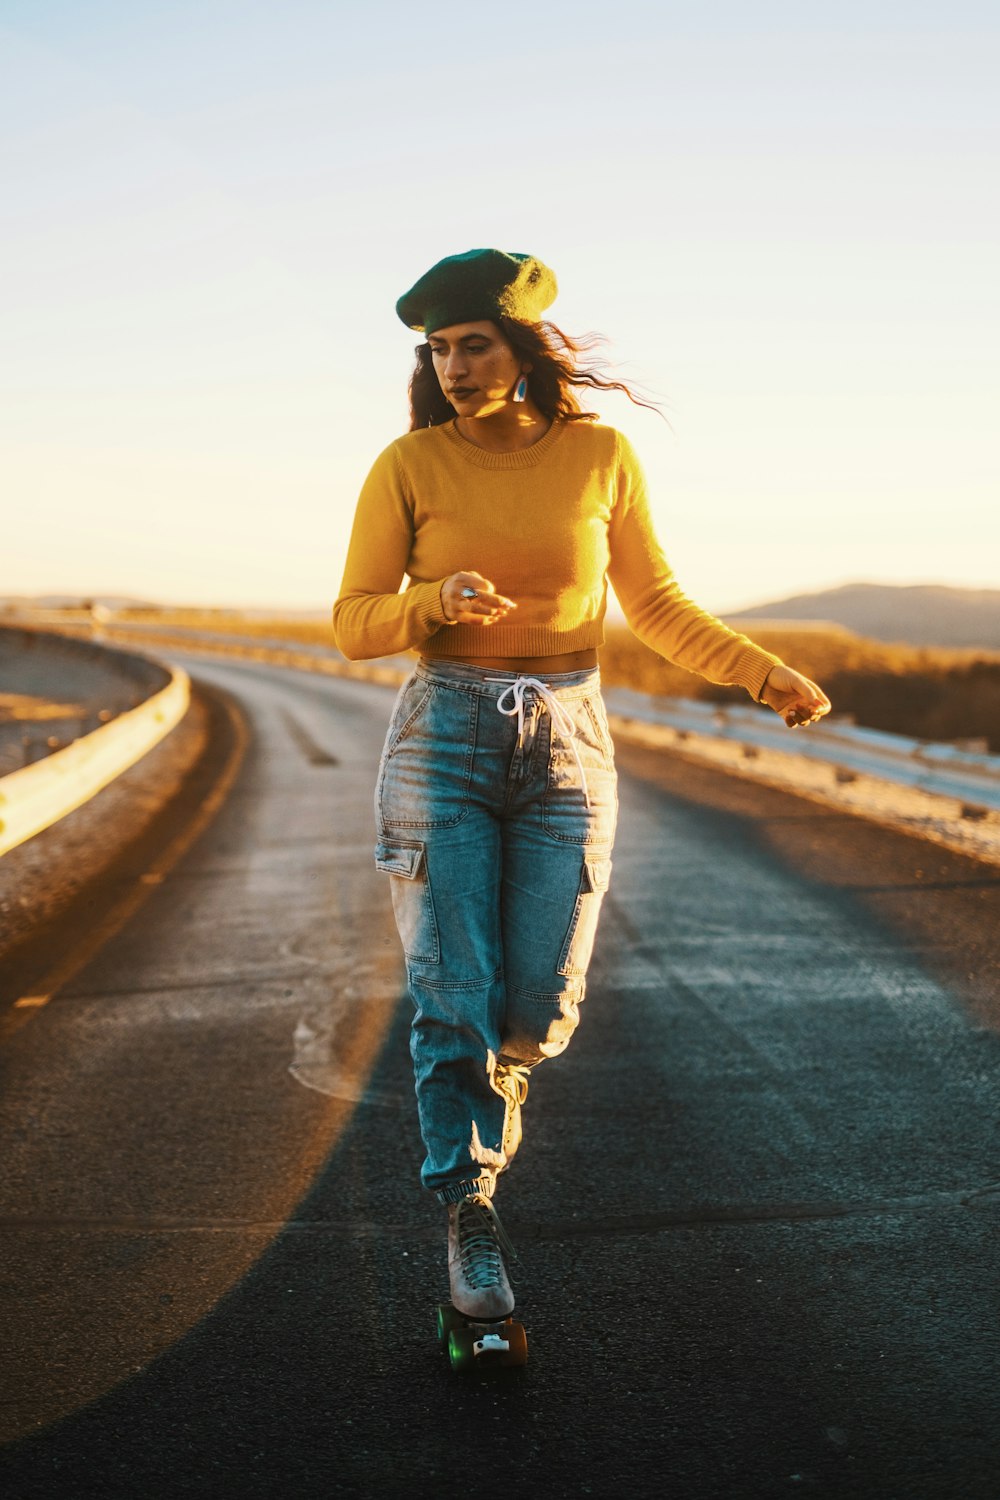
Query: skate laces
[[513, 1079], [482, 1242]]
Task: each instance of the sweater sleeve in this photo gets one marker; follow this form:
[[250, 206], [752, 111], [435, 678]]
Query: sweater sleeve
[[657, 610], [371, 617]]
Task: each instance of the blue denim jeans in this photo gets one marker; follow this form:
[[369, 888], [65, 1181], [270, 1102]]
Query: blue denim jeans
[[496, 806]]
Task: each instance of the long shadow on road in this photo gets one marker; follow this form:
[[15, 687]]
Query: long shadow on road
[[699, 1353], [704, 1360]]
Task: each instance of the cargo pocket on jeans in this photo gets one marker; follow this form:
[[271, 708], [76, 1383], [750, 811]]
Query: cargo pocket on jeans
[[595, 877], [412, 901]]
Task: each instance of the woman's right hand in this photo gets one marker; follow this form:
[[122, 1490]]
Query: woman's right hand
[[487, 608]]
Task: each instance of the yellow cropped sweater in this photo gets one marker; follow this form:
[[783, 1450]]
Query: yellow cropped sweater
[[549, 525]]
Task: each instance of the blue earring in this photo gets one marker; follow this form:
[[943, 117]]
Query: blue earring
[[521, 389]]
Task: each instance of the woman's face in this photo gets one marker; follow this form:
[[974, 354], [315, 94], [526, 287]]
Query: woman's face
[[475, 366]]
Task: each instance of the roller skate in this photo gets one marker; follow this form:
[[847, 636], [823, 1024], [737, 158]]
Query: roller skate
[[476, 1327]]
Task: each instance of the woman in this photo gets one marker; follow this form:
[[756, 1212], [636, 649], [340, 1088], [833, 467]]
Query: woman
[[508, 509]]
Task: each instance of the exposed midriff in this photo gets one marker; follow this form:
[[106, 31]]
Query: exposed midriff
[[530, 666]]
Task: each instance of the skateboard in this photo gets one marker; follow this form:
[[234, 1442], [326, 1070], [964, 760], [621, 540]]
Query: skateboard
[[472, 1345]]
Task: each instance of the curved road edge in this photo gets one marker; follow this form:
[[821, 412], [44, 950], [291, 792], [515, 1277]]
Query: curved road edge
[[66, 892]]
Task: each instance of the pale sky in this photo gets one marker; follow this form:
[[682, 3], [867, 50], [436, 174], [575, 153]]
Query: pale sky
[[784, 216]]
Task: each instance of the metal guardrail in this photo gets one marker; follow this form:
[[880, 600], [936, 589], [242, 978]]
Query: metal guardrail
[[943, 770], [970, 777], [39, 795]]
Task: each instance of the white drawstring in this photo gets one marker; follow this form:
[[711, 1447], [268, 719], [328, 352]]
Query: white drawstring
[[561, 720]]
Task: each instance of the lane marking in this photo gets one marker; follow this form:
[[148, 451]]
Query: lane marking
[[314, 752], [122, 912]]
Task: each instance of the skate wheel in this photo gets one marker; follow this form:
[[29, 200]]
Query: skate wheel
[[485, 1346], [461, 1348], [448, 1317], [518, 1340]]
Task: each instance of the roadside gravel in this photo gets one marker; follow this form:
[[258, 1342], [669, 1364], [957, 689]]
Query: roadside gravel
[[943, 820]]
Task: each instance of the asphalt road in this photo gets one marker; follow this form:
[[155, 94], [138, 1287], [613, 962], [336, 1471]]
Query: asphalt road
[[756, 1207]]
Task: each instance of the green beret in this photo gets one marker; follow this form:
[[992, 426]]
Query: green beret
[[487, 284]]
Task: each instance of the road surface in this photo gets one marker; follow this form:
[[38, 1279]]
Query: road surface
[[757, 1204]]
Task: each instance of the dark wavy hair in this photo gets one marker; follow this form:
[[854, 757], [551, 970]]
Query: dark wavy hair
[[556, 371]]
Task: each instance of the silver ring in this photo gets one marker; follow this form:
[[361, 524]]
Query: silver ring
[[470, 594]]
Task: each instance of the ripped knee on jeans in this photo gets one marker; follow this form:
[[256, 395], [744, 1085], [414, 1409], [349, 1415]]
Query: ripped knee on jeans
[[537, 1026]]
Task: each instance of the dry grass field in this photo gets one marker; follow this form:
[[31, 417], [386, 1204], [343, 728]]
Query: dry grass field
[[928, 693], [925, 692], [305, 632]]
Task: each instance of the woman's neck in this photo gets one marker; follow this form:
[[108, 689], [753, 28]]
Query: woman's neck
[[505, 431]]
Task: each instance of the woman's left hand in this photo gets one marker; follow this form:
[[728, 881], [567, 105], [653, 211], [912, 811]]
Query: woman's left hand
[[796, 698]]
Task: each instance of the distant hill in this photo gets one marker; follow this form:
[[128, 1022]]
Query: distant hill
[[921, 615], [70, 601]]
